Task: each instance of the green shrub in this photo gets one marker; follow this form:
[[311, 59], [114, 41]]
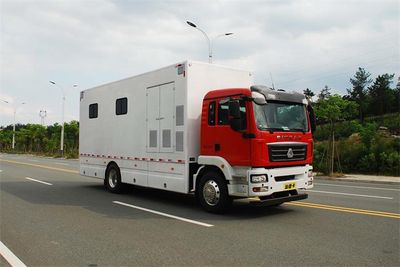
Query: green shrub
[[367, 164]]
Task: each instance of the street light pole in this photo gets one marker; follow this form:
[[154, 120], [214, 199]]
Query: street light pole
[[209, 41], [62, 117], [13, 141], [15, 112]]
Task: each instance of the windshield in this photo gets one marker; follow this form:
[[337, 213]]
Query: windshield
[[281, 116]]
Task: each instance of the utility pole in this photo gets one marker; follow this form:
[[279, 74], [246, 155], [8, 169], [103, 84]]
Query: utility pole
[[333, 152], [42, 115], [15, 114], [62, 116]]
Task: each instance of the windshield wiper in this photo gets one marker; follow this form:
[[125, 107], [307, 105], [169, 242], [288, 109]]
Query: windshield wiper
[[271, 130], [298, 130], [262, 127], [281, 129]]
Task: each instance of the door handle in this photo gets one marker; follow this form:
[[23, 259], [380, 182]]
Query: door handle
[[217, 147]]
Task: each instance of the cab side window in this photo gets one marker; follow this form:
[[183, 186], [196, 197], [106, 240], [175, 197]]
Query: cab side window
[[223, 113], [211, 113]]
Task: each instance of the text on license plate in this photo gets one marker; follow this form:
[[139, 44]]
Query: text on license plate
[[289, 186]]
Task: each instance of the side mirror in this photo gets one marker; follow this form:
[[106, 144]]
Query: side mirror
[[313, 121], [236, 124], [236, 121], [234, 109], [258, 98]]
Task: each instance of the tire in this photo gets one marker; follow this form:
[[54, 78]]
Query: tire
[[113, 179], [212, 193]]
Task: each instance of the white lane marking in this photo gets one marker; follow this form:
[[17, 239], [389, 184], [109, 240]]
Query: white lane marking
[[60, 163], [347, 194], [164, 214], [10, 257], [363, 187], [34, 160], [29, 178]]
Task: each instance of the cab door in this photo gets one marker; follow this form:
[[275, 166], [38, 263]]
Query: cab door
[[230, 144]]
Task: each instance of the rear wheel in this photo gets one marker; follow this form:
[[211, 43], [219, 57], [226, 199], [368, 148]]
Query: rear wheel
[[113, 179], [212, 193]]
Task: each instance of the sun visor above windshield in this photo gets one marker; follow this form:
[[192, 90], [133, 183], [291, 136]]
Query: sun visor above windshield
[[279, 95]]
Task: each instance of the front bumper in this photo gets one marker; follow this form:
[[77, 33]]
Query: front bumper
[[278, 180], [278, 200]]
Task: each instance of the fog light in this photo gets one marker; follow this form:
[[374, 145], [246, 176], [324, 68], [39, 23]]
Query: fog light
[[260, 189], [259, 178]]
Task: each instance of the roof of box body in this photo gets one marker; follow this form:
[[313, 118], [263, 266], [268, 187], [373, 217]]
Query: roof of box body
[[184, 62]]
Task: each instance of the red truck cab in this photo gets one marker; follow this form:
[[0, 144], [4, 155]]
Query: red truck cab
[[260, 139]]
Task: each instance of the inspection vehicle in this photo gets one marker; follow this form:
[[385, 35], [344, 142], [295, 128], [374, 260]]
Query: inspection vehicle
[[199, 128]]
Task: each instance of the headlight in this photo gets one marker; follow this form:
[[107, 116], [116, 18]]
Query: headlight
[[259, 178]]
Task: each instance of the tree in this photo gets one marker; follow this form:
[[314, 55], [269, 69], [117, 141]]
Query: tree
[[359, 91], [324, 94], [39, 139], [333, 109], [5, 139], [382, 96], [396, 93], [336, 108], [308, 93], [72, 136]]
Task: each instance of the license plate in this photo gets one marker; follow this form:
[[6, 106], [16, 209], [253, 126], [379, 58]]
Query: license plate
[[289, 186]]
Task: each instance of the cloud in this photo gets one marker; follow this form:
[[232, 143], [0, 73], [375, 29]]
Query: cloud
[[301, 43]]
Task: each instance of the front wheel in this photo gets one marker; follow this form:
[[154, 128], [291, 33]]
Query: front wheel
[[212, 193], [113, 179]]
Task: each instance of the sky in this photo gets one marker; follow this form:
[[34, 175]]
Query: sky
[[295, 44]]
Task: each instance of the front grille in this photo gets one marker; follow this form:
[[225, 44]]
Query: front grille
[[284, 178], [287, 152]]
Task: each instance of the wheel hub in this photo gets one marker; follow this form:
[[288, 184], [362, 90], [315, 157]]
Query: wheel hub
[[211, 193], [112, 178]]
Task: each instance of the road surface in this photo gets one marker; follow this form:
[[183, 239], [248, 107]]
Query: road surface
[[51, 216]]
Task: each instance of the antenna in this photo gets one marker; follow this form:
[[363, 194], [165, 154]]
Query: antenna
[[42, 114], [273, 86]]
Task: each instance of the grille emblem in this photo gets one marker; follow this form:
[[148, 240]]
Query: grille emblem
[[290, 153]]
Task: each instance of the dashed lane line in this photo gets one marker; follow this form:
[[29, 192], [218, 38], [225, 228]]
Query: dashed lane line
[[60, 163], [164, 214], [348, 194], [361, 187], [38, 181], [9, 256]]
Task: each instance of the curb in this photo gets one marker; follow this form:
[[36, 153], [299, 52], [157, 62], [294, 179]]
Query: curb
[[356, 180]]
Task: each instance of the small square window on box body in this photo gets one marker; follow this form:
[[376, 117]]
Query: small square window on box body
[[121, 106], [93, 111]]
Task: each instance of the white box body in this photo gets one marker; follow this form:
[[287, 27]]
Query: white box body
[[159, 136]]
